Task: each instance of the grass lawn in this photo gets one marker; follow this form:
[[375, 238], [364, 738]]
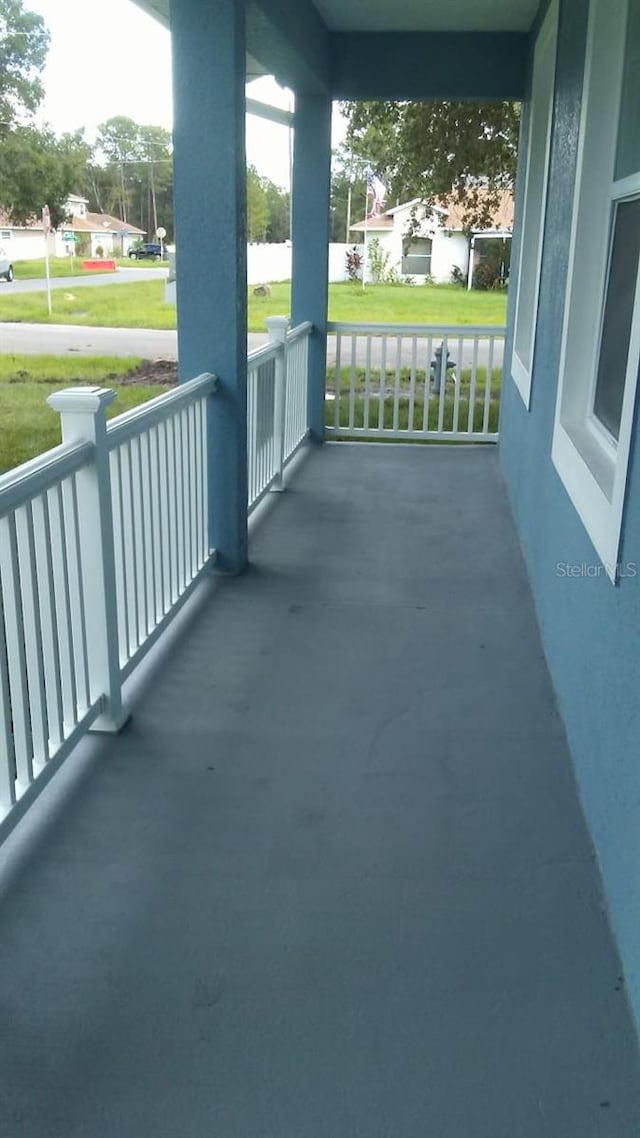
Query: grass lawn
[[28, 426], [58, 267], [141, 305]]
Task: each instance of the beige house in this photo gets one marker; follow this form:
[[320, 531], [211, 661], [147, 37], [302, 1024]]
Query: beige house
[[113, 236]]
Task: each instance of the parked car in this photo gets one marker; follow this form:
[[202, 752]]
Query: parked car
[[146, 252], [6, 268]]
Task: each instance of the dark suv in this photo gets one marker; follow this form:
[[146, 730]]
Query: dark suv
[[147, 252]]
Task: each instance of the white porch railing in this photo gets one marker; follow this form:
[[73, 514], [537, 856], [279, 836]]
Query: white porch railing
[[101, 540], [411, 381], [276, 405]]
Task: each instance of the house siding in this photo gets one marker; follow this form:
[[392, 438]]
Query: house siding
[[590, 630]]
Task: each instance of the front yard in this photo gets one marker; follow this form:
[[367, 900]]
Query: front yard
[[28, 426], [141, 305]]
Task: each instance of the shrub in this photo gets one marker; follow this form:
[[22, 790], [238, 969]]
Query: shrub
[[457, 275], [353, 264]]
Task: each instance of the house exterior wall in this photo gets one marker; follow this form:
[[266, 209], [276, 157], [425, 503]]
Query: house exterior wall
[[23, 245], [590, 629], [449, 249]]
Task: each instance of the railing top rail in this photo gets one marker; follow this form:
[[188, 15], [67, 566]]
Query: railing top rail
[[299, 331], [263, 355], [25, 482], [139, 419], [460, 331]]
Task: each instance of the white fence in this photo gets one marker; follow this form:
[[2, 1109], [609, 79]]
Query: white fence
[[276, 405], [273, 262], [415, 382], [101, 540]]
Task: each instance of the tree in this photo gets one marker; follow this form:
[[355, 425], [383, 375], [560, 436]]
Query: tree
[[24, 42], [463, 152], [278, 206], [257, 209], [37, 167], [118, 142], [348, 194]]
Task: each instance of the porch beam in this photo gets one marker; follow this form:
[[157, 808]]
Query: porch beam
[[310, 283], [429, 65], [290, 40], [209, 44]]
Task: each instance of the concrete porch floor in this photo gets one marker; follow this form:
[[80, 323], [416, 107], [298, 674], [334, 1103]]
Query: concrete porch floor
[[333, 879]]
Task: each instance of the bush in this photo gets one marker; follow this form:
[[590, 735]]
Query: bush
[[99, 251], [353, 264], [457, 275], [485, 276]]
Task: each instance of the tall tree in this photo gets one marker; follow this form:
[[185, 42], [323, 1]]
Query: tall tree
[[119, 143], [156, 173], [465, 152], [24, 42]]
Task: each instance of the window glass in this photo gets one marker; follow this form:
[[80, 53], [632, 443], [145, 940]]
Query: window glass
[[618, 315]]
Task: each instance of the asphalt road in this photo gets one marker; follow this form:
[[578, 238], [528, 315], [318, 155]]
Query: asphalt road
[[121, 276], [60, 339]]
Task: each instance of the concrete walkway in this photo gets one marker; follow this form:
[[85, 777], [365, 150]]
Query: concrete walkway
[[333, 880]]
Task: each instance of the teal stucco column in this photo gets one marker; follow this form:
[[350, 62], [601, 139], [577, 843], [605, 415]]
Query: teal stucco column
[[208, 39], [311, 189]]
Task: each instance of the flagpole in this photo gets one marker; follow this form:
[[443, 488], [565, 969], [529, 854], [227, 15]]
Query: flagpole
[[366, 231]]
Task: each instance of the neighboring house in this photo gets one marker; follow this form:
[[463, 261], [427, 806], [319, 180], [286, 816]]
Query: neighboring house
[[26, 242], [425, 240], [106, 233]]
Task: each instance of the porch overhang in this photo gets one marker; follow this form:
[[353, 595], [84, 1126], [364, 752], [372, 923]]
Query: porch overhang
[[404, 51]]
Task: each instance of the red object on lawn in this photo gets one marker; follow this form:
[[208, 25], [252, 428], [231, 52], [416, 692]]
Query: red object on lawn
[[109, 266]]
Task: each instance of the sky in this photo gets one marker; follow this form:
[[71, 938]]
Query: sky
[[85, 84]]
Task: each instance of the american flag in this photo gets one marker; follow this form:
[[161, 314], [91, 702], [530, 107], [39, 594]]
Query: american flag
[[377, 191]]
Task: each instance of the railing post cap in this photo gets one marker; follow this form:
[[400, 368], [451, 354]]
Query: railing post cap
[[277, 326], [82, 400]]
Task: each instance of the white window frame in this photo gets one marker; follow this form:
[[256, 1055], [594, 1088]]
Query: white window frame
[[591, 463], [535, 203]]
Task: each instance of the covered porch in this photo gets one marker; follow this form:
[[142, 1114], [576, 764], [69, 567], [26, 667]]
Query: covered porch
[[333, 878]]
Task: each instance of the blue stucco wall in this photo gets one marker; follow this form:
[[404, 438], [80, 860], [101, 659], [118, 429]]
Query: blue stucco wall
[[590, 630]]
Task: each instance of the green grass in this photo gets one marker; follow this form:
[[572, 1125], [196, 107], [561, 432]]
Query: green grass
[[141, 305], [405, 382], [28, 426], [421, 304], [58, 267], [418, 414]]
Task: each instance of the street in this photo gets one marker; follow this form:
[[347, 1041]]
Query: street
[[151, 344], [121, 276]]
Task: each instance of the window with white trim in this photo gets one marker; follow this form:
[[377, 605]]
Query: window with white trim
[[601, 338], [535, 199], [5, 234]]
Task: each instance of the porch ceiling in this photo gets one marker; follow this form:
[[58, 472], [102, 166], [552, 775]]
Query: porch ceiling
[[409, 15], [432, 16]]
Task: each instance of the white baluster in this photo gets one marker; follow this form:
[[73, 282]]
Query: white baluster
[[278, 326]]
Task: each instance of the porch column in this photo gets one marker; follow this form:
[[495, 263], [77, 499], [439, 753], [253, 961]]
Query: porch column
[[210, 209], [311, 189]]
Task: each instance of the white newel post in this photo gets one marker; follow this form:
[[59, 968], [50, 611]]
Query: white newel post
[[83, 418], [278, 326]]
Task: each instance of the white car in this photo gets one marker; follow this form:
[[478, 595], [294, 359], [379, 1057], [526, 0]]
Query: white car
[[6, 268]]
